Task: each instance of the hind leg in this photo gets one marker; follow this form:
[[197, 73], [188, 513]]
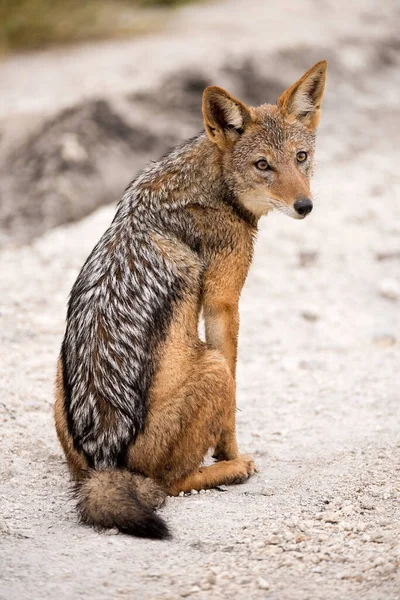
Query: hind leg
[[182, 427], [226, 447]]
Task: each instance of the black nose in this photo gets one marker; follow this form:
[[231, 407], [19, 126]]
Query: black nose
[[303, 206]]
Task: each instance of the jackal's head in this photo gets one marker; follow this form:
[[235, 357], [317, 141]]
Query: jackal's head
[[267, 152]]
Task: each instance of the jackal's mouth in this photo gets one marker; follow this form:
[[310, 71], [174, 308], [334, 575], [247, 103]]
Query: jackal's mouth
[[286, 209], [261, 205], [292, 210]]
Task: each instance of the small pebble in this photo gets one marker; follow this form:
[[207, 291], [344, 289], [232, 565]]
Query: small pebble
[[307, 258], [267, 491], [272, 540], [194, 492], [193, 590], [380, 537], [389, 289], [308, 524], [384, 339], [331, 517], [348, 509], [181, 494], [262, 583], [310, 313], [3, 526], [337, 501], [310, 365], [211, 578], [258, 545]]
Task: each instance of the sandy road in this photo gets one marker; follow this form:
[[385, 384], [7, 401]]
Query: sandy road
[[319, 356]]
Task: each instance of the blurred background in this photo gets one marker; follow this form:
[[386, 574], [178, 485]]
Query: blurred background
[[89, 92]]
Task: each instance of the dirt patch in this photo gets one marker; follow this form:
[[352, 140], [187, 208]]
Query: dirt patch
[[75, 162]]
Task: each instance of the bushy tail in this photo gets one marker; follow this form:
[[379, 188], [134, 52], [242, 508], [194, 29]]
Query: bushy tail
[[121, 499]]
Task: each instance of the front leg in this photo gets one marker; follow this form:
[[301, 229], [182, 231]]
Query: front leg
[[222, 326], [222, 329]]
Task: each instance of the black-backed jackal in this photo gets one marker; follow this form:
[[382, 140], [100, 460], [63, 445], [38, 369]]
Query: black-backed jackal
[[140, 398]]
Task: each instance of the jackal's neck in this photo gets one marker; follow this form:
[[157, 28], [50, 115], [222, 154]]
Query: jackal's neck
[[192, 172]]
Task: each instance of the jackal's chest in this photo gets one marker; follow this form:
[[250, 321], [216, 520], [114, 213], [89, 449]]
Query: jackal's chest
[[220, 231], [227, 255]]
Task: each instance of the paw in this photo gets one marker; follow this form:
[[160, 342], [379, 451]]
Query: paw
[[249, 462], [244, 468]]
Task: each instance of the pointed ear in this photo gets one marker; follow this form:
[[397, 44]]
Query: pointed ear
[[225, 117], [302, 101]]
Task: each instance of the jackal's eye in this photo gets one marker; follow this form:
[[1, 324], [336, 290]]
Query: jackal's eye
[[301, 156], [262, 165]]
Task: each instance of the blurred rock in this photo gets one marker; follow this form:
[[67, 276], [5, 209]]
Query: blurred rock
[[76, 161], [307, 258], [310, 313], [384, 339], [389, 289], [389, 255], [71, 150], [310, 365]]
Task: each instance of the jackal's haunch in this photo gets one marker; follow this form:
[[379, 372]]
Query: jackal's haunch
[[140, 398]]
